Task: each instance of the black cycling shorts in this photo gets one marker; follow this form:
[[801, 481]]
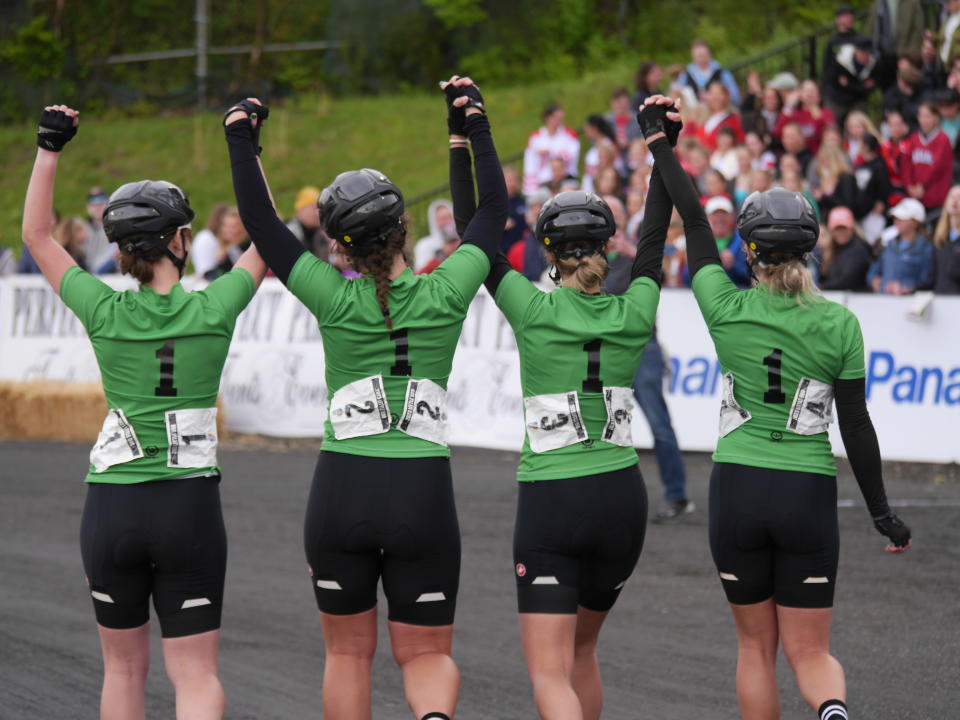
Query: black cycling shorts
[[394, 518], [164, 538], [774, 533], [577, 540]]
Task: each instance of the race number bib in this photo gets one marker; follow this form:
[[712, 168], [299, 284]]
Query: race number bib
[[732, 415], [425, 412], [191, 438], [812, 409], [360, 409], [619, 427], [553, 421], [117, 442]]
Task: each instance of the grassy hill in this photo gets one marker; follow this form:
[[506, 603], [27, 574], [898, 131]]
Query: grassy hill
[[307, 140]]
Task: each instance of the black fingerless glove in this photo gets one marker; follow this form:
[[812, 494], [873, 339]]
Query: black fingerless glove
[[653, 119], [56, 130], [893, 527], [456, 116], [253, 111]]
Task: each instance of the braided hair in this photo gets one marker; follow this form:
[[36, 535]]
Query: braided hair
[[377, 261]]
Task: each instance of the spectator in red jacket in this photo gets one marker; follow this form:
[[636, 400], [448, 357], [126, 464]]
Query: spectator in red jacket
[[722, 115], [928, 163], [805, 108], [893, 150]]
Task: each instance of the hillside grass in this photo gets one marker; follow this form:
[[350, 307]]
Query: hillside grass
[[308, 140]]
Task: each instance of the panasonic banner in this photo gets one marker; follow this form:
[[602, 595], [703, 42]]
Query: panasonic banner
[[273, 380]]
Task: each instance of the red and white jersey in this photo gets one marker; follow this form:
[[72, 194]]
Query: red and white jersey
[[541, 148]]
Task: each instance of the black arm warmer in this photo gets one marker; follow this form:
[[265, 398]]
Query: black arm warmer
[[653, 231], [501, 266], [485, 229], [461, 188], [860, 440], [278, 247], [701, 244]]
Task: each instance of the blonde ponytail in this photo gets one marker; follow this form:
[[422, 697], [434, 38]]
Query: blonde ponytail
[[584, 275], [791, 278]]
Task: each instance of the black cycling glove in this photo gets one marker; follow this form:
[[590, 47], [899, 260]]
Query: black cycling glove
[[653, 119], [253, 111], [893, 527], [456, 116], [55, 130]]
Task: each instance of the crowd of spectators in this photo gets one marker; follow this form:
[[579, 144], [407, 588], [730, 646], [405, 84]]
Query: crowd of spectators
[[872, 144]]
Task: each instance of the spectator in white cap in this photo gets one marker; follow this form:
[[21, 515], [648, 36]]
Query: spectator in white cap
[[906, 264], [719, 210]]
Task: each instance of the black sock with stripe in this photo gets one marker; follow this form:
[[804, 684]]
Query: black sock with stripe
[[833, 710], [435, 716]]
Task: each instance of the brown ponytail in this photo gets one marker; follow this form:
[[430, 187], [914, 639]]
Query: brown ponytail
[[141, 266], [378, 262], [584, 275]]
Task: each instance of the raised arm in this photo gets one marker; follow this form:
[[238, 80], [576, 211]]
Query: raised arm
[[863, 450], [58, 125], [461, 174], [485, 228], [273, 240], [701, 244]]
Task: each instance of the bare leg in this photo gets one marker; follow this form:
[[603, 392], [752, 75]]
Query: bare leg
[[193, 668], [351, 641], [548, 645], [126, 659], [586, 669], [431, 680], [806, 643], [756, 660]]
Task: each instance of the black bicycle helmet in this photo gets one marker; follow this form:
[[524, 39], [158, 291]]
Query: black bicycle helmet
[[360, 208], [141, 216], [575, 215], [778, 221]]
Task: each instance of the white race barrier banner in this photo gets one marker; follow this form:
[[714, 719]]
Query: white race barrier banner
[[273, 380]]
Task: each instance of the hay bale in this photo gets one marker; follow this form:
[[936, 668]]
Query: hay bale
[[62, 411]]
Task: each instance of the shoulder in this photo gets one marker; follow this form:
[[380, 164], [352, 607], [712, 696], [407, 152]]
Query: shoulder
[[571, 133]]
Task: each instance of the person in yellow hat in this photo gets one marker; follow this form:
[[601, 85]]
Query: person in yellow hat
[[305, 224]]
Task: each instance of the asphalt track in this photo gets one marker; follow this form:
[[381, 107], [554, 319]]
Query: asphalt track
[[667, 651]]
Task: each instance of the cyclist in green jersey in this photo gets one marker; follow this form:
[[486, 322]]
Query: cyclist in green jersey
[[381, 504], [152, 524], [582, 510], [787, 354]]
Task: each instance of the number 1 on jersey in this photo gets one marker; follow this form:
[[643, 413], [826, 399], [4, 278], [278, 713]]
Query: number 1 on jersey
[[774, 395], [165, 355], [592, 383]]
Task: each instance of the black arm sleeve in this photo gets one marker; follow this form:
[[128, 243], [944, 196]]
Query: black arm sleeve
[[485, 229], [278, 247], [653, 231], [860, 440], [701, 244], [461, 188], [499, 269]]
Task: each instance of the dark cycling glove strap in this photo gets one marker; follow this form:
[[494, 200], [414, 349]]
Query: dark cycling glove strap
[[56, 129]]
